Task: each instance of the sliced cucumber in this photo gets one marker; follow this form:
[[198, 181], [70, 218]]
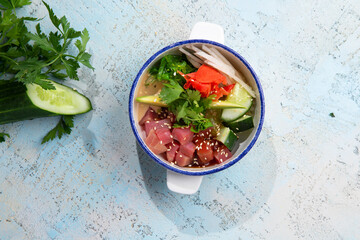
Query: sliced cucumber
[[242, 124], [19, 103], [227, 137], [239, 96], [156, 101], [63, 100]]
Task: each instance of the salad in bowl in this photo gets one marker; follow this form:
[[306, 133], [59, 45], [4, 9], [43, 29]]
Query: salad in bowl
[[193, 108]]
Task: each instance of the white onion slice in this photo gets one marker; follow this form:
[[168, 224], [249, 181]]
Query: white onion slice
[[195, 64], [194, 58], [220, 56], [225, 68]]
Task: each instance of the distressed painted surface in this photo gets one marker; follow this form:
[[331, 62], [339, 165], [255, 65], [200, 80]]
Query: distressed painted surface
[[300, 181]]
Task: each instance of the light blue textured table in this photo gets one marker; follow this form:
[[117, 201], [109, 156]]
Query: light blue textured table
[[300, 181]]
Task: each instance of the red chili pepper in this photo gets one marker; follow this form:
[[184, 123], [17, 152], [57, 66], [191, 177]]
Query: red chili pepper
[[228, 88]]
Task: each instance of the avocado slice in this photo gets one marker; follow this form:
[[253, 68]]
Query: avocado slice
[[156, 101]]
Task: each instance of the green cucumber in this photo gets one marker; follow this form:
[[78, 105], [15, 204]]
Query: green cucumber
[[241, 97], [227, 137], [242, 124], [156, 101], [19, 102]]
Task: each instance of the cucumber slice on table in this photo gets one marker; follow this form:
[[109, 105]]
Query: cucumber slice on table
[[227, 137], [240, 96], [19, 102], [242, 124], [63, 100]]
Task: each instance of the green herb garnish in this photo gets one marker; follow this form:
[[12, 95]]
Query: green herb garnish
[[187, 105], [63, 127], [32, 57], [166, 69], [2, 136]]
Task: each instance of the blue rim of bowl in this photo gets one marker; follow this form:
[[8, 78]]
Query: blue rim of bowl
[[205, 171]]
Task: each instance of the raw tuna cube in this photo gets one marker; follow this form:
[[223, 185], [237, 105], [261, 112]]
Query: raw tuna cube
[[172, 117], [222, 153], [165, 123], [164, 135], [188, 149], [205, 151], [153, 143], [150, 115], [165, 113], [183, 135], [207, 133], [171, 151], [182, 160]]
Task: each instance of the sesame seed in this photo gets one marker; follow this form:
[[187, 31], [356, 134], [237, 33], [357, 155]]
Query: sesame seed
[[226, 154], [180, 155], [161, 142], [154, 128]]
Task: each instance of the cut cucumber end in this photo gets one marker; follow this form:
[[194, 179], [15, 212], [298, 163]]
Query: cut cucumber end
[[63, 100], [239, 96], [227, 137], [242, 124]]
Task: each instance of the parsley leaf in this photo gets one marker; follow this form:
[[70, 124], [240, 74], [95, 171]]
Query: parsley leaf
[[2, 136], [63, 127], [30, 56], [170, 92], [187, 105], [189, 108], [168, 66]]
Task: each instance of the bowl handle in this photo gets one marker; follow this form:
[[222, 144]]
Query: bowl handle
[[181, 183], [207, 31]]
